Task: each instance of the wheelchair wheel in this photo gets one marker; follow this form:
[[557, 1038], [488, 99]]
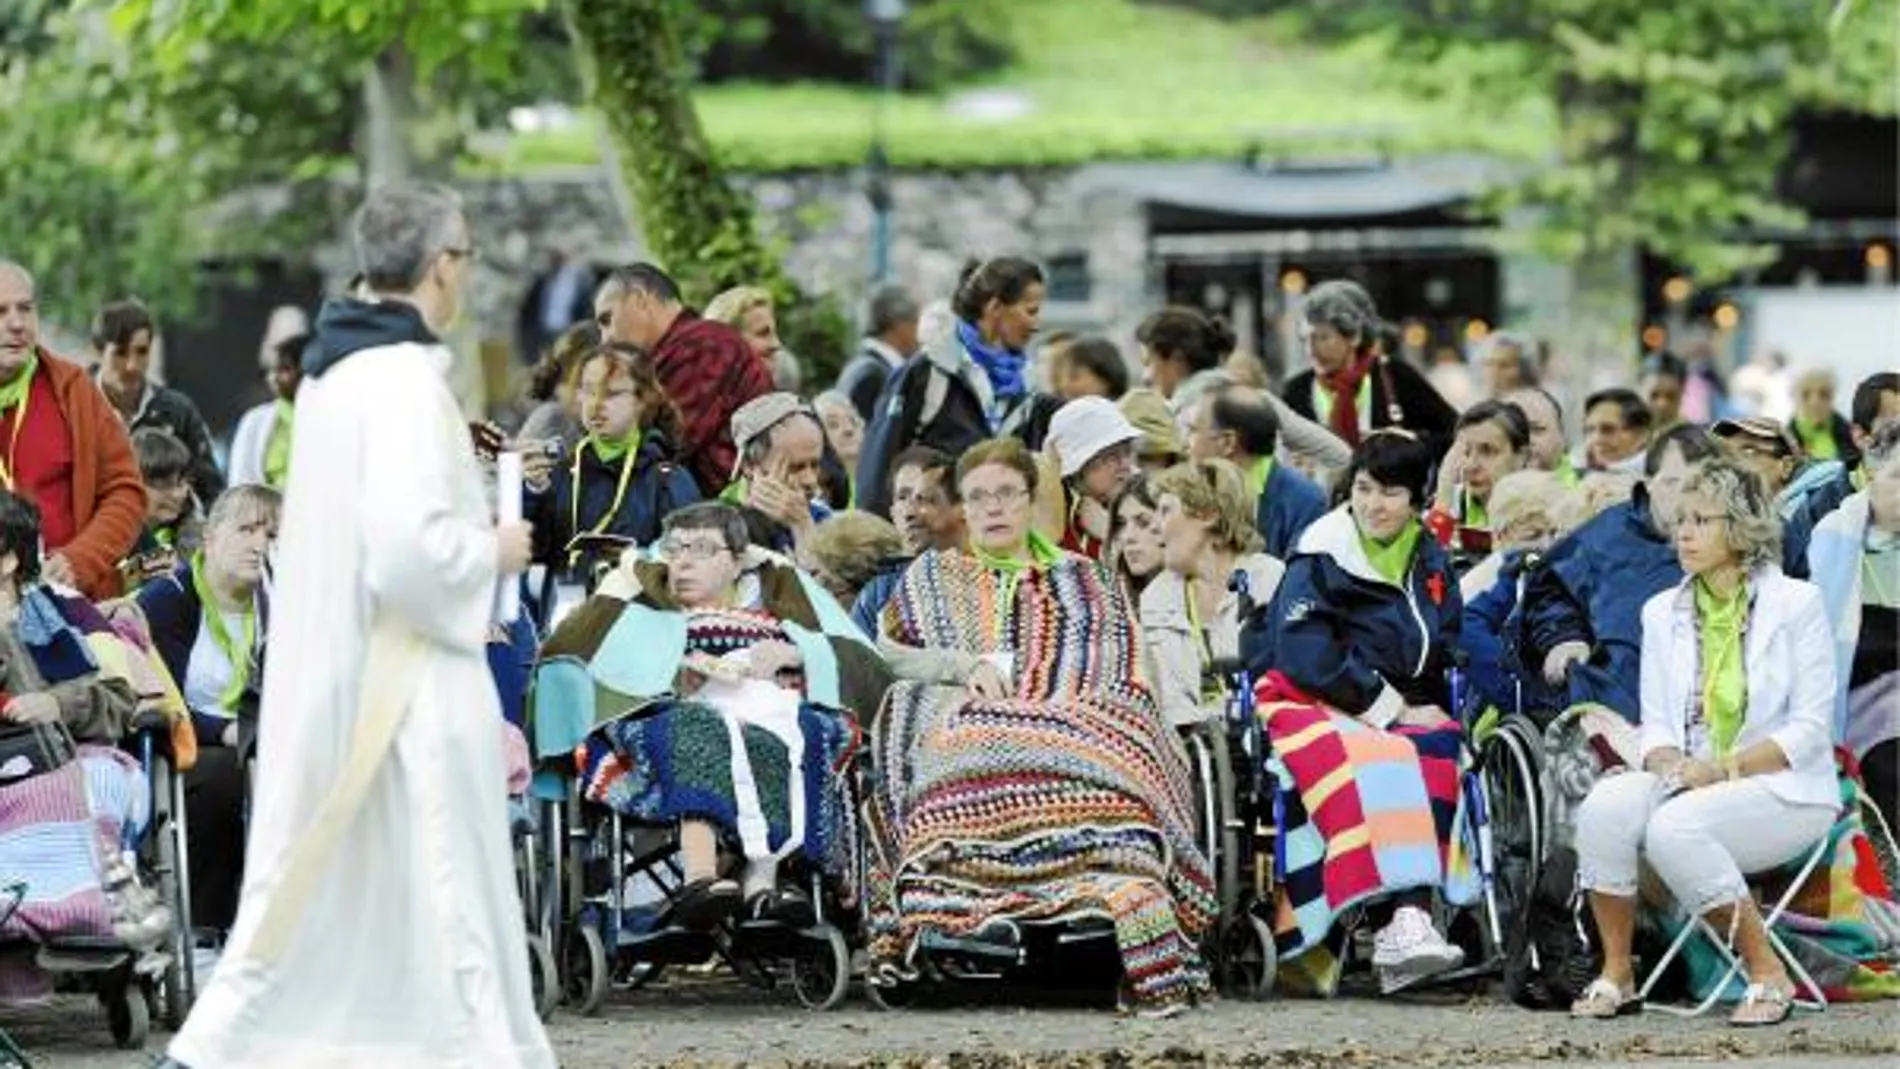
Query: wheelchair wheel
[[585, 978], [895, 995], [821, 973], [1248, 958], [177, 985], [1219, 832], [545, 977], [126, 1014], [1509, 769]]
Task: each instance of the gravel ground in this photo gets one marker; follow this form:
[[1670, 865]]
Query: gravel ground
[[721, 1024]]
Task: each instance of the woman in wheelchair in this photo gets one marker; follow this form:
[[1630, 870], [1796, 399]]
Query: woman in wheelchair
[[1024, 775], [57, 802], [1737, 717], [1363, 628], [1190, 618], [208, 619], [737, 672], [620, 481]]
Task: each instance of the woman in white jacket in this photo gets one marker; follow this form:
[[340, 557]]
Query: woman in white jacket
[[1737, 738]]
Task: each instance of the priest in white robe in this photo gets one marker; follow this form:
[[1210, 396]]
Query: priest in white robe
[[379, 924]]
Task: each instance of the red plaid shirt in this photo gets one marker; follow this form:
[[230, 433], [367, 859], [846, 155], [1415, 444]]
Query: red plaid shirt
[[708, 371]]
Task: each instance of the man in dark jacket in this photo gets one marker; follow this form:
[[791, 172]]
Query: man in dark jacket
[[1353, 388], [1582, 617], [1238, 423], [123, 334], [891, 339], [706, 368]]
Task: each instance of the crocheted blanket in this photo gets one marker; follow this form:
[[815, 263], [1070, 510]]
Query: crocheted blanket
[[1367, 812], [1069, 799]]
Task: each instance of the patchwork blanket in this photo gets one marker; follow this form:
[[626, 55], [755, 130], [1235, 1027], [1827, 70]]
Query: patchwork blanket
[[1068, 799], [1843, 925], [56, 832], [1367, 813]]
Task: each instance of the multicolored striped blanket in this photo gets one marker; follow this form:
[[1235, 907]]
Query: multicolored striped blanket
[[1843, 925], [1367, 812], [56, 832], [1070, 799]]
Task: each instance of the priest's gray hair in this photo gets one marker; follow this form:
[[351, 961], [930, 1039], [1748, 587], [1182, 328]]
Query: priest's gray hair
[[399, 232]]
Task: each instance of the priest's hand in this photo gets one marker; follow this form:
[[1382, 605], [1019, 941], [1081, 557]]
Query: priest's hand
[[514, 547]]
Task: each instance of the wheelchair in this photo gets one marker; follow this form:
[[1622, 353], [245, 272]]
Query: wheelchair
[[1501, 794], [600, 909]]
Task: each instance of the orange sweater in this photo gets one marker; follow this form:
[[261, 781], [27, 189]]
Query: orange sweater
[[108, 495]]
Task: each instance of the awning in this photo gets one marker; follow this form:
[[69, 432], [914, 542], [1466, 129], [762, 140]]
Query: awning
[[1372, 190]]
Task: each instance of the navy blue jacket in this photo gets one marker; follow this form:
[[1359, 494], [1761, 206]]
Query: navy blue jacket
[[1345, 635], [1818, 489], [658, 486], [1289, 505], [869, 607], [174, 613], [1490, 638], [1591, 589]]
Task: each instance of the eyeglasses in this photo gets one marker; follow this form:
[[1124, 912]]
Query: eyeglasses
[[679, 549], [1005, 497], [464, 252]]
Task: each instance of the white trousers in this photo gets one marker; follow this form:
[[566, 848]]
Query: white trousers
[[1702, 844]]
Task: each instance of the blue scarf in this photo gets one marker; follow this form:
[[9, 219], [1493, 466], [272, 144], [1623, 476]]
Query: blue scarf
[[1005, 368]]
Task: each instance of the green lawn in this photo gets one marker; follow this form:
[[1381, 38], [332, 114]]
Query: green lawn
[[1109, 79]]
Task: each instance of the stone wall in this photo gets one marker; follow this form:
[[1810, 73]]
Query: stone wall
[[823, 223]]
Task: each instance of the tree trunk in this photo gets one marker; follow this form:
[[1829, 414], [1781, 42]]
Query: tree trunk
[[1597, 124], [409, 132], [637, 78]]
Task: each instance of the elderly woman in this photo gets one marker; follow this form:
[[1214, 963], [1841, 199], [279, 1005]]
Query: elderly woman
[[1352, 389], [1530, 510], [1493, 440], [1737, 755], [1189, 616], [1020, 668], [619, 481], [715, 687], [208, 620], [1855, 560], [1134, 540], [1364, 626], [67, 825]]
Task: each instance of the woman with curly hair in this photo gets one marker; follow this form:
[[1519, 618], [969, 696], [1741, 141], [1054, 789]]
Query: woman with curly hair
[[1737, 745], [621, 479]]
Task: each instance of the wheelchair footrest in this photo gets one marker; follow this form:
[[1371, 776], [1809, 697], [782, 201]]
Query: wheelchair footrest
[[667, 946]]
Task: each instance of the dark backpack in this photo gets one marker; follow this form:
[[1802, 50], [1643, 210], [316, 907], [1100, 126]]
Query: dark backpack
[[1551, 949]]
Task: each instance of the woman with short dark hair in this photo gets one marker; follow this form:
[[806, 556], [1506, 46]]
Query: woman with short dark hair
[[1363, 631]]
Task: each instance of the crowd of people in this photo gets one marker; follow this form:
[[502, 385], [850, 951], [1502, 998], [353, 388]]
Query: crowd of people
[[1000, 567]]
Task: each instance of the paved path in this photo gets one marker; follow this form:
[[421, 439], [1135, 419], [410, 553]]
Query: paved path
[[723, 1025]]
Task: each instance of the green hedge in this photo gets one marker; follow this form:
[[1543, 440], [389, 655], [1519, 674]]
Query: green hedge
[[1109, 79]]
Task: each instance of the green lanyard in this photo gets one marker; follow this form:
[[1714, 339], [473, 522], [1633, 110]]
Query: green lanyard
[[620, 495], [238, 654]]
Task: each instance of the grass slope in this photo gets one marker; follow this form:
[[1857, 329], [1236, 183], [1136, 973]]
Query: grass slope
[[1108, 79]]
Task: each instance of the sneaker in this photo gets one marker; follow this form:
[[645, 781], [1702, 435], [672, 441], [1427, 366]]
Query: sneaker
[[1409, 949]]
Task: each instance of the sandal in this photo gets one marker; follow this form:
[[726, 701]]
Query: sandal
[[1762, 1006], [1603, 999], [703, 903]]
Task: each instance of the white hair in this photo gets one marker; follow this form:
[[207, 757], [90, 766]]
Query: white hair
[[398, 233]]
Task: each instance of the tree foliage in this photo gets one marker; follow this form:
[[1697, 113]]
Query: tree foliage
[[700, 227], [832, 41]]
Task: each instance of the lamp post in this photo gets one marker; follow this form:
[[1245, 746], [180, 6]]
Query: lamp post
[[887, 21]]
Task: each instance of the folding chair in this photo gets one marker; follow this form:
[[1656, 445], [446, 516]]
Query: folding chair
[[1815, 998]]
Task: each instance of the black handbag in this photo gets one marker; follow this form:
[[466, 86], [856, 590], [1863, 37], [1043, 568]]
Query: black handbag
[[28, 750]]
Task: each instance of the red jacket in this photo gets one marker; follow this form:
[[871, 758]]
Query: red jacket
[[108, 495], [708, 371]]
